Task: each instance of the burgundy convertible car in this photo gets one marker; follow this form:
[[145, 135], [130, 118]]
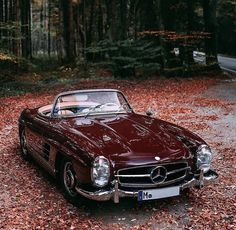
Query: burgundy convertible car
[[97, 147]]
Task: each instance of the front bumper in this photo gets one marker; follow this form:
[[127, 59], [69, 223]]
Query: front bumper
[[115, 193]]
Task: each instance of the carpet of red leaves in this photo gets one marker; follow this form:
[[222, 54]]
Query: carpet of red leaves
[[30, 199]]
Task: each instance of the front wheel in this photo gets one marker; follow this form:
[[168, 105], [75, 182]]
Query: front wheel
[[68, 181]]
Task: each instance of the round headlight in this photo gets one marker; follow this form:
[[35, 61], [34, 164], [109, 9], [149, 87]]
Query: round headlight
[[204, 157], [100, 171]]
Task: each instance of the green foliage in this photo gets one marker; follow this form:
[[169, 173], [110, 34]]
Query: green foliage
[[45, 63], [15, 88], [12, 64], [192, 70], [129, 57]]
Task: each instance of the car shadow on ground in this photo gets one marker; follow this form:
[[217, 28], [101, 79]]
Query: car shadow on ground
[[127, 212]]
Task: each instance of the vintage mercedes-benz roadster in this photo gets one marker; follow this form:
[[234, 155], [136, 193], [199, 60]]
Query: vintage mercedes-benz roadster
[[98, 147]]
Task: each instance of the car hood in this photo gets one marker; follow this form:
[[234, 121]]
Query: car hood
[[130, 139]]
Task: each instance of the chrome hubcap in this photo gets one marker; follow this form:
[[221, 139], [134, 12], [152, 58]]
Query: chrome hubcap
[[69, 178]]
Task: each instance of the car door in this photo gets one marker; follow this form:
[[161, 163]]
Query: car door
[[38, 140]]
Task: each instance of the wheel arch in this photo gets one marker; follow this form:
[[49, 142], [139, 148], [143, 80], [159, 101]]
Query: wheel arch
[[58, 160], [82, 171], [21, 126]]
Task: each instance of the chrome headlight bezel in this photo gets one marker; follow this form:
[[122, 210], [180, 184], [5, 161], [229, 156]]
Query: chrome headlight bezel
[[204, 158], [100, 171]]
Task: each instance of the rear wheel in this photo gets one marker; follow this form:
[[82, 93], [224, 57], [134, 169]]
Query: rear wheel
[[23, 145], [68, 181]]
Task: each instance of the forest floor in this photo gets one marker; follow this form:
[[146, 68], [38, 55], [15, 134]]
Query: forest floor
[[31, 199]]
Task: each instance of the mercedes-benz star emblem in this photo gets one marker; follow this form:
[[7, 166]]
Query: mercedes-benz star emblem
[[158, 175]]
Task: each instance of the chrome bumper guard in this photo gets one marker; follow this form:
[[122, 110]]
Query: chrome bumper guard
[[115, 193]]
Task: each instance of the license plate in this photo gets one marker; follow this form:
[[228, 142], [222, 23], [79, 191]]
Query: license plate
[[152, 194]]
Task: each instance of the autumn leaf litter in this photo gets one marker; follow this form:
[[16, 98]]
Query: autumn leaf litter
[[31, 199]]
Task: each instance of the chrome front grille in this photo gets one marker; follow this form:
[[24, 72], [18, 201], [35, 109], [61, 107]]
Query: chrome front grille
[[152, 175]]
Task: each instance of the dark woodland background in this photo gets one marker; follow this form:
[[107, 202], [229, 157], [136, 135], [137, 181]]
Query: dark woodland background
[[126, 37]]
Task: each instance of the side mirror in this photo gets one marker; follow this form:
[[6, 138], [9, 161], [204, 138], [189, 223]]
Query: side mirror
[[150, 112]]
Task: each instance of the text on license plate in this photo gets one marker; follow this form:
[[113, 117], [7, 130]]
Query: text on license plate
[[152, 194]]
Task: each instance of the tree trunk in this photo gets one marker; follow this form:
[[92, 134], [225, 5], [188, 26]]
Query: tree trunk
[[26, 28], [100, 21], [5, 30], [16, 44], [59, 38], [209, 14], [6, 10], [160, 26], [123, 19], [68, 30], [49, 28], [167, 15], [136, 19], [190, 28], [111, 23], [149, 18], [80, 31], [11, 31], [1, 17], [91, 21], [71, 33], [41, 28]]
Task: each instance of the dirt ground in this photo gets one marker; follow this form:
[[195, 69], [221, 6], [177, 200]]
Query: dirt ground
[[31, 199]]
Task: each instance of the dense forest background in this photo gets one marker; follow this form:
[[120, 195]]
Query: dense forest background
[[127, 36]]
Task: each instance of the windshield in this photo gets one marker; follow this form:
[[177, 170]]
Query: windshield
[[87, 103]]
